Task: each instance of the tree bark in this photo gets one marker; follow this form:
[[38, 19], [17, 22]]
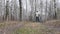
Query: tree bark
[[20, 3]]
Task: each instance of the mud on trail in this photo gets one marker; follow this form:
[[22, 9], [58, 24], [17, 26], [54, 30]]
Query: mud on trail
[[8, 27]]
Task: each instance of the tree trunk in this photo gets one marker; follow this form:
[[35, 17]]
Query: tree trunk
[[20, 3]]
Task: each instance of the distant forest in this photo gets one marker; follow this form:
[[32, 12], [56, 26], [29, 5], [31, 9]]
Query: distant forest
[[24, 10]]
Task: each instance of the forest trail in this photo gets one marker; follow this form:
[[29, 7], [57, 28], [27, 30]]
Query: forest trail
[[11, 26], [53, 24], [9, 29]]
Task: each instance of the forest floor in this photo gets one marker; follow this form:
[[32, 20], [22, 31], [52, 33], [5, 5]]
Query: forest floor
[[16, 27]]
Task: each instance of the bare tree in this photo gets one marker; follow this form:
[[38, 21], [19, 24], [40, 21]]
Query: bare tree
[[31, 3], [55, 15], [41, 9], [20, 3], [46, 11], [7, 10]]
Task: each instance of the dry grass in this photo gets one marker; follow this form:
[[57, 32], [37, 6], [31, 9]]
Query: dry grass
[[8, 23], [32, 27], [35, 28], [54, 23]]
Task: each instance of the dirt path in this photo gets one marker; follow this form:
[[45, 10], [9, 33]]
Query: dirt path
[[54, 28], [53, 24], [8, 29], [11, 27]]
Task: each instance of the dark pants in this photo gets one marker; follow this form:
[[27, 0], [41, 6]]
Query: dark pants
[[37, 19]]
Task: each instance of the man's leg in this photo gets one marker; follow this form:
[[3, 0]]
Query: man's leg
[[36, 19]]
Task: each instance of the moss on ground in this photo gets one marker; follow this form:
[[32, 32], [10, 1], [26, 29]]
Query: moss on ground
[[2, 25]]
